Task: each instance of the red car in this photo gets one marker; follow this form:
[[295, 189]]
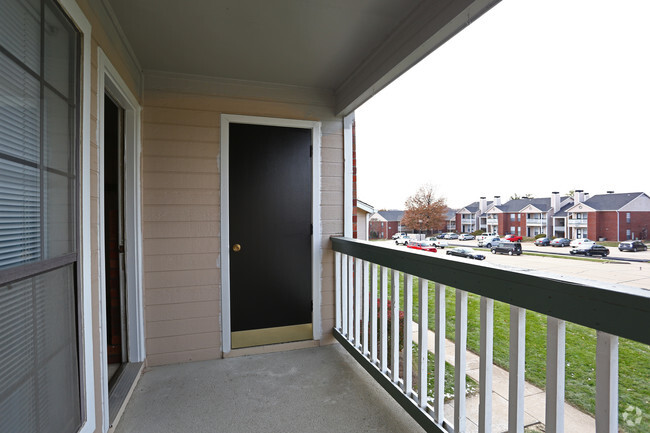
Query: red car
[[422, 246], [513, 238]]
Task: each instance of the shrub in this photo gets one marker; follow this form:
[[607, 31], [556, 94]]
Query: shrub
[[541, 235], [478, 232]]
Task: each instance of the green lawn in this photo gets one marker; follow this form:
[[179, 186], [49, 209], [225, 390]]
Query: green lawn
[[634, 358]]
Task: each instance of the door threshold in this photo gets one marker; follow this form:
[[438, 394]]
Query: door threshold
[[266, 336], [121, 387], [272, 348]]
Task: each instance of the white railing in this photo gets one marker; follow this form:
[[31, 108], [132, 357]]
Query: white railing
[[362, 273], [535, 221]]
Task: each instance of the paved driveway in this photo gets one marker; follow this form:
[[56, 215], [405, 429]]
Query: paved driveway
[[625, 272]]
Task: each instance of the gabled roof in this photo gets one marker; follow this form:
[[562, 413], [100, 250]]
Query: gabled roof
[[563, 210], [473, 207], [392, 215], [543, 204], [602, 202]]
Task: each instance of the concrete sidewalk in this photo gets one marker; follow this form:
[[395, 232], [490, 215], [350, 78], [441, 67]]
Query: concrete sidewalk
[[575, 421]]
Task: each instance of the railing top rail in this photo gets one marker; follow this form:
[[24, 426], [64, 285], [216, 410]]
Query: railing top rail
[[616, 309]]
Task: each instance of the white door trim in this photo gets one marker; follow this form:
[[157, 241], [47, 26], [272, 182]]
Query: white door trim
[[315, 127], [108, 79]]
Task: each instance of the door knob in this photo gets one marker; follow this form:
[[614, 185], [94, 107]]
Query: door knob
[[236, 248]]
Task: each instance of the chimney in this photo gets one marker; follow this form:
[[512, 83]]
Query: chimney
[[555, 201], [482, 205], [610, 192], [578, 196], [586, 196], [497, 200]]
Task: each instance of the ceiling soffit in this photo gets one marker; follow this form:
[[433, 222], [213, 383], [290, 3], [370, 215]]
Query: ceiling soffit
[[349, 49]]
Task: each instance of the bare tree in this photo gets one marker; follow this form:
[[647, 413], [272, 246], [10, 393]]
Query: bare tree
[[425, 211]]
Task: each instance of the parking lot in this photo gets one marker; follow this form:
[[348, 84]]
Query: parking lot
[[627, 268]]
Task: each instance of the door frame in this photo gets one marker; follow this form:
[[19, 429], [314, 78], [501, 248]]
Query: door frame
[[108, 79], [315, 127]]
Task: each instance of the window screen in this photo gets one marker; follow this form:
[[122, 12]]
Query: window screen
[[39, 128]]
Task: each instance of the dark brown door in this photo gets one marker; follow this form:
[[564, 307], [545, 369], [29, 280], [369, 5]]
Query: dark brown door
[[270, 234]]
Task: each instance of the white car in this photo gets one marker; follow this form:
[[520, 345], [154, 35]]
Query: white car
[[398, 235], [403, 240], [484, 236], [488, 241], [437, 242], [584, 242]]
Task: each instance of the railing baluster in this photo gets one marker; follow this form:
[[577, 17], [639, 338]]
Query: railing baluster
[[408, 334], [439, 356], [337, 290], [555, 358], [606, 383], [423, 340], [485, 367], [365, 305], [394, 325], [350, 298], [460, 413], [357, 303], [384, 319], [373, 314], [344, 295], [516, 375]]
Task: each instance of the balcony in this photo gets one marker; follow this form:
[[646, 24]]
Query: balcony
[[493, 220], [363, 274], [353, 387], [578, 222], [535, 221]]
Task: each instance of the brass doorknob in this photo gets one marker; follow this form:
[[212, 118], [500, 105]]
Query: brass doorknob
[[236, 248]]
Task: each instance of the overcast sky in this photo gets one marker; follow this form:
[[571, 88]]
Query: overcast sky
[[533, 97]]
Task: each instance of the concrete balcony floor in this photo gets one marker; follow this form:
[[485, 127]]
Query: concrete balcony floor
[[320, 389]]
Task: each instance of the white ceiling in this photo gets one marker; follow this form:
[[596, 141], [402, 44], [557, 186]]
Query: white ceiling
[[322, 44]]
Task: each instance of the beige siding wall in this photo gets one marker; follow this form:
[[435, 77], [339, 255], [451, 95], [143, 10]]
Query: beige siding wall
[[181, 227]]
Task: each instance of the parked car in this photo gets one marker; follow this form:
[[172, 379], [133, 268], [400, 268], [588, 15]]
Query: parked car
[[489, 241], [437, 242], [580, 242], [452, 236], [510, 248], [592, 249], [403, 240], [465, 237], [423, 246], [465, 252], [513, 238], [485, 235], [542, 242], [632, 246], [560, 242], [398, 235]]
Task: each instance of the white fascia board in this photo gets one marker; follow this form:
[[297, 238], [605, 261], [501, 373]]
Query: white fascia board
[[428, 26], [580, 207], [531, 209], [365, 207]]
